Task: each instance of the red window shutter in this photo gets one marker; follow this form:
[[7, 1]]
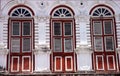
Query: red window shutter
[[26, 63]]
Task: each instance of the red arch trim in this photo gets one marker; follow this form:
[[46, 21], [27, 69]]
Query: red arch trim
[[62, 6], [99, 6], [21, 6]]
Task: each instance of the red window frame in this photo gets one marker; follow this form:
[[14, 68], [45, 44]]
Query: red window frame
[[21, 36], [63, 54], [62, 14], [102, 35], [15, 63], [62, 36], [21, 53], [104, 53]]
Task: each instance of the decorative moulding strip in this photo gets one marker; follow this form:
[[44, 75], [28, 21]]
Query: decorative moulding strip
[[36, 35], [78, 36], [36, 42], [36, 29]]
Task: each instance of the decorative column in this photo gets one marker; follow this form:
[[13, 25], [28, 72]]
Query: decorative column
[[3, 57], [42, 58], [118, 57], [84, 58]]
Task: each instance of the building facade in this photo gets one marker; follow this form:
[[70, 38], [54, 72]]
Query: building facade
[[60, 36]]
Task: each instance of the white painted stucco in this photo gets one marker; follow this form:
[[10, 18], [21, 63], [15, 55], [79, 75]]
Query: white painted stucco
[[42, 29], [42, 62]]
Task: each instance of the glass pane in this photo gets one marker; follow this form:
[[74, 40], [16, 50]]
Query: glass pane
[[108, 27], [98, 44], [68, 45], [109, 43], [57, 44], [57, 29], [15, 28], [26, 44], [15, 45], [97, 27], [26, 28], [68, 28]]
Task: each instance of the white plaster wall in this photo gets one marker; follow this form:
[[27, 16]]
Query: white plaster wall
[[3, 60], [1, 32], [84, 61], [42, 33], [83, 34], [42, 62]]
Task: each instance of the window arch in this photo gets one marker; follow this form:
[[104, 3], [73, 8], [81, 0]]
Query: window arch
[[62, 38], [103, 36], [62, 12], [101, 11], [21, 11]]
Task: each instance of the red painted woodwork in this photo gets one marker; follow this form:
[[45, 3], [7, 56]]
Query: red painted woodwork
[[69, 63], [25, 56], [62, 40], [111, 63], [100, 63], [104, 52], [15, 64], [63, 63], [58, 64], [104, 41], [26, 64]]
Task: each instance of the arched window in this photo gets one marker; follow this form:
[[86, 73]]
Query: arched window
[[20, 37], [62, 39], [103, 36]]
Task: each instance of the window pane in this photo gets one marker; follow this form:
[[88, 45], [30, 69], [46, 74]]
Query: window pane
[[15, 28], [26, 44], [68, 29], [15, 45], [57, 29], [109, 43], [68, 45], [108, 27], [98, 44], [97, 27], [26, 28], [57, 44]]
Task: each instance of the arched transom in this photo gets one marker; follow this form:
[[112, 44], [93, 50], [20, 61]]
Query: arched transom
[[62, 12], [102, 12], [21, 12]]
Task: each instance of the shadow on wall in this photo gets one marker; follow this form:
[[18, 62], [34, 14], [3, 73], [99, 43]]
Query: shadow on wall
[[2, 68]]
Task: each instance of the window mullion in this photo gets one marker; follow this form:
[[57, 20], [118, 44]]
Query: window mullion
[[62, 37], [103, 36]]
